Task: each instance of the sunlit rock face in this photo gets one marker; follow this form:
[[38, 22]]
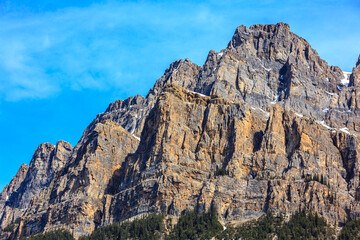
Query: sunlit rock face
[[264, 125]]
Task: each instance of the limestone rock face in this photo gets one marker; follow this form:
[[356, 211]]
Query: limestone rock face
[[264, 125], [185, 139], [132, 112], [13, 185], [188, 137], [47, 160], [75, 198]]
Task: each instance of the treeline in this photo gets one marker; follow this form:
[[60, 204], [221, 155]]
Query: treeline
[[303, 224], [306, 225], [60, 234], [263, 228], [351, 230], [193, 225], [149, 228]]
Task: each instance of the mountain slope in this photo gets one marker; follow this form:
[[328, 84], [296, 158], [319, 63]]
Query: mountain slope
[[264, 125]]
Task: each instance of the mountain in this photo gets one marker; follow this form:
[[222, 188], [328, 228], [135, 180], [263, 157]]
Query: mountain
[[265, 125]]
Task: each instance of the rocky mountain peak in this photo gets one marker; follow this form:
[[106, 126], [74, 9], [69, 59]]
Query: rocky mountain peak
[[272, 28], [182, 72], [44, 148], [261, 37], [48, 157], [118, 104], [23, 169]]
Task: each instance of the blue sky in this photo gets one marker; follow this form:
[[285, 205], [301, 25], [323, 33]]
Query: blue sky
[[62, 62]]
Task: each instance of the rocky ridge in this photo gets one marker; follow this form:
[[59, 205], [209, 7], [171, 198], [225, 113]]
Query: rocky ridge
[[267, 111]]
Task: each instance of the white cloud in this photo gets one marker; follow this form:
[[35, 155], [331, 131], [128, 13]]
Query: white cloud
[[87, 48]]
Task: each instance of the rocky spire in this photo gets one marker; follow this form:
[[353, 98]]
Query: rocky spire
[[355, 75]]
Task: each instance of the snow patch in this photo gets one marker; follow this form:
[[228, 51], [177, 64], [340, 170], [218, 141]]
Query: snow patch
[[203, 95], [299, 114], [133, 129], [322, 123], [267, 114], [330, 93], [345, 81], [136, 137], [334, 130], [267, 69], [345, 130], [220, 54]]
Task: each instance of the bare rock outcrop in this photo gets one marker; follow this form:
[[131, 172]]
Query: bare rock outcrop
[[75, 199], [13, 185], [46, 162]]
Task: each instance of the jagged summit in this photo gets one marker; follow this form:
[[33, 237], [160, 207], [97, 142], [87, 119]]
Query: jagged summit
[[266, 112], [243, 34]]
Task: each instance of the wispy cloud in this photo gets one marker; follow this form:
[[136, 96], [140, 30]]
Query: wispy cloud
[[126, 45], [100, 46]]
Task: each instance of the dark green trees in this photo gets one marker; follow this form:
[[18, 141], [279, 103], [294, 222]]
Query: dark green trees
[[60, 234], [306, 225], [351, 230], [303, 224], [193, 225], [149, 228]]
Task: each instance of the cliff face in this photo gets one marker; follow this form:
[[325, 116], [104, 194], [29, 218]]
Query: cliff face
[[13, 185], [264, 125]]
